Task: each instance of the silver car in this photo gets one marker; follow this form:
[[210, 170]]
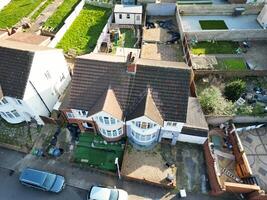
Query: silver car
[[103, 193], [42, 180]]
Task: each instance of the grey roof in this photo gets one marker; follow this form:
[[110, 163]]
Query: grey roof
[[120, 8], [108, 103], [147, 107], [169, 83], [195, 116], [15, 65]]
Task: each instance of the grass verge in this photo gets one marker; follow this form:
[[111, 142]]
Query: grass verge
[[16, 10], [85, 30]]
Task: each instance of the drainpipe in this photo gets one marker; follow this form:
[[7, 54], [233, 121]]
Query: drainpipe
[[40, 97]]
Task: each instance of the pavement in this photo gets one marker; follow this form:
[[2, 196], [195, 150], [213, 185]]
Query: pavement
[[79, 180]]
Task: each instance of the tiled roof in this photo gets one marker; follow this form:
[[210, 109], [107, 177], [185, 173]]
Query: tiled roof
[[15, 66], [147, 107], [169, 83], [108, 103]]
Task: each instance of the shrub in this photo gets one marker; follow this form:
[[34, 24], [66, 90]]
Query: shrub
[[212, 102], [234, 89]]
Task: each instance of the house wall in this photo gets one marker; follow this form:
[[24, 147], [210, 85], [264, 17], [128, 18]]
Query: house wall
[[132, 20], [23, 110], [3, 3], [161, 9], [236, 35], [262, 17], [48, 79], [191, 139]]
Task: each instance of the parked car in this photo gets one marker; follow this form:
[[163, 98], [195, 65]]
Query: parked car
[[42, 180], [104, 193]]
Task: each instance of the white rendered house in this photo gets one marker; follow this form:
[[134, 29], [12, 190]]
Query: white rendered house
[[32, 79], [128, 14]]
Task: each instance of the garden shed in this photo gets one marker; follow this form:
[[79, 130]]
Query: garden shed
[[128, 14]]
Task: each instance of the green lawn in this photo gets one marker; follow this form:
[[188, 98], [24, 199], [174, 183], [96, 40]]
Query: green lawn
[[41, 9], [212, 24], [98, 153], [231, 64], [63, 11], [217, 47], [85, 30], [16, 10], [128, 37]]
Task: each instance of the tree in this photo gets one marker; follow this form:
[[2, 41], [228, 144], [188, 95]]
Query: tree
[[234, 89]]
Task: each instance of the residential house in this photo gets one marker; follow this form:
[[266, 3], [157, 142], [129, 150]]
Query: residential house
[[128, 14], [32, 79], [146, 100]]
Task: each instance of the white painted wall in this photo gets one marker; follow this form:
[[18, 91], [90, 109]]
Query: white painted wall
[[262, 17], [3, 3], [22, 108], [135, 19], [191, 139], [47, 72]]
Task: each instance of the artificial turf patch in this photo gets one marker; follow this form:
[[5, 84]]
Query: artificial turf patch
[[213, 24]]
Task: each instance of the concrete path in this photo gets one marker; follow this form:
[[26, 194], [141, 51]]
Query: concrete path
[[47, 12]]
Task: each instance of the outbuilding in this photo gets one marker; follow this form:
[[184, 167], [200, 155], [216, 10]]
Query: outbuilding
[[128, 14]]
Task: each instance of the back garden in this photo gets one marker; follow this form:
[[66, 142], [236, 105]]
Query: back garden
[[232, 96], [83, 34], [16, 10]]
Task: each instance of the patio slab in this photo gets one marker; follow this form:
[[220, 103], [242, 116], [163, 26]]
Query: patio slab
[[162, 52], [191, 23], [256, 55], [256, 151]]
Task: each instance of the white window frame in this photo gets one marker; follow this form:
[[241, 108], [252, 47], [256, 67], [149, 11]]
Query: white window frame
[[106, 120], [10, 115], [70, 115], [5, 101], [15, 113]]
